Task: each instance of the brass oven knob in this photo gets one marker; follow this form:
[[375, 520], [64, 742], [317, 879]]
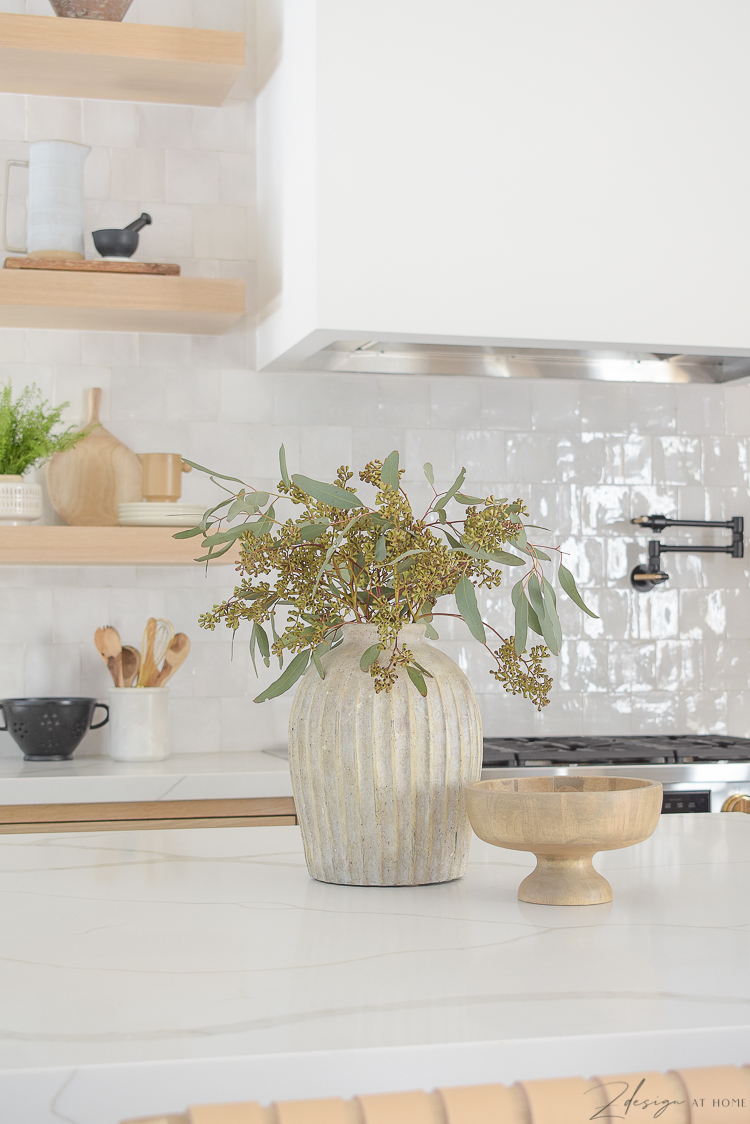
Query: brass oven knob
[[737, 803]]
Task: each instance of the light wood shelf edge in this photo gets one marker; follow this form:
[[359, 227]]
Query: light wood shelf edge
[[100, 546], [145, 825], [121, 810], [124, 61], [119, 302]]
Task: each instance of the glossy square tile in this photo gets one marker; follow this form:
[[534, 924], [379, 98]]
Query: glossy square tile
[[727, 664], [532, 458], [677, 460], [506, 404], [725, 461], [700, 408], [632, 666], [555, 405]]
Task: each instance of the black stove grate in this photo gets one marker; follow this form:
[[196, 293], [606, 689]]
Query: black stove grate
[[628, 750]]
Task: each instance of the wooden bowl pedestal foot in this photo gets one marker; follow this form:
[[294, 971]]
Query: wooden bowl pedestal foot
[[565, 880]]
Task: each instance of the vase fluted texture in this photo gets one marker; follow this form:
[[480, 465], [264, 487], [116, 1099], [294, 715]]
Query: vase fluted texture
[[379, 779]]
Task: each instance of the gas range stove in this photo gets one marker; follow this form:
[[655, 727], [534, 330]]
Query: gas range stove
[[699, 772]]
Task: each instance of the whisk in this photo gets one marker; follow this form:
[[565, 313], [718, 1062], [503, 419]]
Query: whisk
[[157, 637]]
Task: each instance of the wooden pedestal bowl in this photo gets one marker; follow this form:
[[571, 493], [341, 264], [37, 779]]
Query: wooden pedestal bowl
[[564, 821]]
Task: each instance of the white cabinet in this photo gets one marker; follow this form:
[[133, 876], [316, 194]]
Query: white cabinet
[[523, 172]]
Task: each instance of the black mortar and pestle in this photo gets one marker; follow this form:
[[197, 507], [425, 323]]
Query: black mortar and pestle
[[120, 243]]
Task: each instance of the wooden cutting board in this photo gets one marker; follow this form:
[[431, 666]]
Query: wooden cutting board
[[88, 482]]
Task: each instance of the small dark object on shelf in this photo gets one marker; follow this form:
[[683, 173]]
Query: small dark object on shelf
[[120, 243], [49, 729]]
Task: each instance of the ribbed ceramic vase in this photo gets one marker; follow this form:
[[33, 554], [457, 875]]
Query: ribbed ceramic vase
[[379, 779]]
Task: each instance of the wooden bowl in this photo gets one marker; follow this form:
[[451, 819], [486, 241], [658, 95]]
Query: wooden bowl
[[564, 821]]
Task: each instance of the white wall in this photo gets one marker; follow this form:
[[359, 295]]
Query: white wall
[[585, 456]]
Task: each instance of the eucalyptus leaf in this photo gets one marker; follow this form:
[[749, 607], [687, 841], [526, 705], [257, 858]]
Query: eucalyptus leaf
[[247, 505], [537, 552], [329, 494], [406, 564], [417, 679], [430, 631], [567, 581], [534, 623], [548, 632], [422, 669], [282, 466], [429, 473], [230, 535], [214, 553], [276, 637], [406, 554], [296, 668], [368, 658], [264, 525], [312, 531], [210, 472], [253, 643], [532, 618], [190, 533], [535, 596], [440, 503], [262, 638], [501, 557], [211, 510], [550, 602], [318, 664], [467, 501], [389, 471], [466, 599], [521, 625], [380, 549]]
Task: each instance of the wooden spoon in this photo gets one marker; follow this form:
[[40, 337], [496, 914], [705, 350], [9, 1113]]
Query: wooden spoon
[[177, 652], [109, 647], [131, 662]]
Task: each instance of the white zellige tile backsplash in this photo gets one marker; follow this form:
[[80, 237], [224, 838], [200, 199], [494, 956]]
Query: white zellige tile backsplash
[[584, 456]]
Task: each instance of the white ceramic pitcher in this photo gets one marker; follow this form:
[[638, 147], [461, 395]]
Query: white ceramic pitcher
[[55, 214]]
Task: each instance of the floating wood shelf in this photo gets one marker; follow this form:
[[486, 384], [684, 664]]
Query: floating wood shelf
[[118, 302], [73, 58], [100, 546]]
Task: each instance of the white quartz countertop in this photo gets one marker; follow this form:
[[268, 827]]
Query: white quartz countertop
[[194, 949], [186, 776]]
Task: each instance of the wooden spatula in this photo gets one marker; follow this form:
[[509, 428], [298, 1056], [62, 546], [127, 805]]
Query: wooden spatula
[[109, 647], [131, 662], [177, 652]]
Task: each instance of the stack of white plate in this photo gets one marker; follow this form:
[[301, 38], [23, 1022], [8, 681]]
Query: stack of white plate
[[160, 514]]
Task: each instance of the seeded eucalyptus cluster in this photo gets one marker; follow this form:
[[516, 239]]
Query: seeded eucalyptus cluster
[[337, 560]]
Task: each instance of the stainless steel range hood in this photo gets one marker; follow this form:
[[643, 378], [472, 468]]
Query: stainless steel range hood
[[374, 357]]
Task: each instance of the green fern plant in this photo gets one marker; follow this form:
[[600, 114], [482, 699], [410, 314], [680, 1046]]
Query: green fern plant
[[26, 430]]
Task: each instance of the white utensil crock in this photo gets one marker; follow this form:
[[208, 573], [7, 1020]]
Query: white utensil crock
[[20, 501], [139, 723], [55, 215]]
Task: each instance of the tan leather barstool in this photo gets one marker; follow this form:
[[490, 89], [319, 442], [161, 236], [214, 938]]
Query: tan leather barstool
[[707, 1095]]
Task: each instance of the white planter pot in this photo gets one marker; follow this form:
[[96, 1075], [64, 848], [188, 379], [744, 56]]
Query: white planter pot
[[379, 779], [20, 502], [139, 723]]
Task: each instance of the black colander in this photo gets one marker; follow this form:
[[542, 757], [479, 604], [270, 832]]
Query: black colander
[[49, 729]]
